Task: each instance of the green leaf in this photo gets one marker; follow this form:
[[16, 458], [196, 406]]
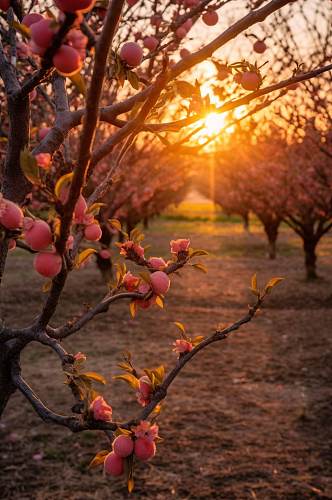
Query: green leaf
[[96, 377], [78, 81], [29, 166]]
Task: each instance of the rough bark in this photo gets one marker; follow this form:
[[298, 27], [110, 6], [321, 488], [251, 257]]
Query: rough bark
[[310, 258], [246, 222], [271, 231], [15, 185], [7, 388]]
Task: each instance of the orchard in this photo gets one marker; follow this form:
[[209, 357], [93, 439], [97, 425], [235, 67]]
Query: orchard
[[116, 308]]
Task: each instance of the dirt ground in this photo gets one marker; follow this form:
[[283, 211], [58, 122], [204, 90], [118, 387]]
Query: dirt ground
[[249, 418]]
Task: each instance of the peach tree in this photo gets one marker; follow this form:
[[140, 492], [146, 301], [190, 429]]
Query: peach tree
[[72, 67]]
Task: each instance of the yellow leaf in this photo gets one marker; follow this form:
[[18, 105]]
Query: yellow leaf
[[254, 282], [197, 340], [65, 180], [78, 80], [160, 302], [129, 378], [133, 308], [272, 283], [81, 257], [197, 253], [115, 223], [200, 267], [21, 28], [47, 286], [96, 377], [95, 207], [146, 276], [99, 458], [135, 234], [180, 326], [130, 484], [159, 373], [125, 366], [120, 431]]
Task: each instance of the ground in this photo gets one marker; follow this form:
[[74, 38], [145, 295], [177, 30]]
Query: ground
[[249, 418]]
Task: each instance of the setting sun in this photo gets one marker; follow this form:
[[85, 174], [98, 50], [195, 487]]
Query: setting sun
[[214, 123]]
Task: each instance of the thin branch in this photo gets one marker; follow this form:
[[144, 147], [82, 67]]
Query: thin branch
[[75, 424], [161, 391], [87, 137]]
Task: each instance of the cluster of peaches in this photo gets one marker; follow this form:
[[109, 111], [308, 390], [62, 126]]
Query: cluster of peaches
[[42, 30], [39, 237], [69, 58], [138, 442], [157, 282], [132, 53]]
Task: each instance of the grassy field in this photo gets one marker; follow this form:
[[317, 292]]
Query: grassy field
[[249, 418]]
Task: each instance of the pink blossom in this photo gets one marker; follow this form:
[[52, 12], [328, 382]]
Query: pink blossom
[[157, 263], [181, 245], [79, 356], [100, 409], [23, 50], [129, 248], [43, 160], [70, 242], [143, 401], [105, 254], [145, 288], [182, 346], [146, 431], [130, 282]]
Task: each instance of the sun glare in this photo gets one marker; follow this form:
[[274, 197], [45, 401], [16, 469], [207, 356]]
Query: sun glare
[[214, 123]]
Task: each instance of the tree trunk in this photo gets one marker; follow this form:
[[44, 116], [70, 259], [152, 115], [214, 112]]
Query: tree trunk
[[6, 386], [245, 218], [271, 231], [15, 184], [310, 258]]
